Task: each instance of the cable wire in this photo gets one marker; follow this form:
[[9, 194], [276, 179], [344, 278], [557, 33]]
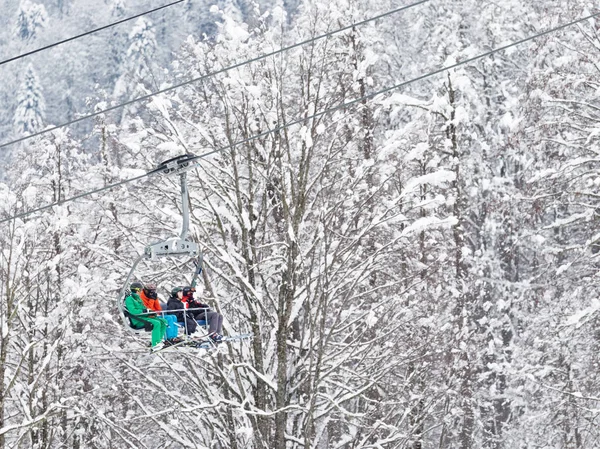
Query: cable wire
[[110, 25], [316, 115], [210, 74]]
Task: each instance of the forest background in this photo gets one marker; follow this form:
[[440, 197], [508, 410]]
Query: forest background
[[419, 268]]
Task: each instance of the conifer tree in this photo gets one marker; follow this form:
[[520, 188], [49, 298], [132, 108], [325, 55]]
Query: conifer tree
[[137, 67], [30, 19], [141, 49], [30, 112]]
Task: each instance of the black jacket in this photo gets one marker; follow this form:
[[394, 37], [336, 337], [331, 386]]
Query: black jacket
[[198, 314], [174, 307]]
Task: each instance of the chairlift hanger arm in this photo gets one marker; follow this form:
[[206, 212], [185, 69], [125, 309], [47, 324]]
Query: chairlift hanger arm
[[198, 269], [177, 246]]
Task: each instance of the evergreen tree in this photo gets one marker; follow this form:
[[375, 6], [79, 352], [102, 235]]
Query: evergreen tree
[[138, 66], [31, 18], [138, 61], [141, 49], [30, 111]]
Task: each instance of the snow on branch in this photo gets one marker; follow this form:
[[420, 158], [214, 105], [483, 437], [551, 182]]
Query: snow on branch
[[587, 216], [422, 224]]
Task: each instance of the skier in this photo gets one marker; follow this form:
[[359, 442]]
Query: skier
[[151, 302], [177, 308], [135, 306], [213, 318]]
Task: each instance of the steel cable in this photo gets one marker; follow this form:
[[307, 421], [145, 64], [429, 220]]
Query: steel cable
[[316, 115]]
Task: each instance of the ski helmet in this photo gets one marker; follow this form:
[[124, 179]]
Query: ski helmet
[[188, 291], [150, 291]]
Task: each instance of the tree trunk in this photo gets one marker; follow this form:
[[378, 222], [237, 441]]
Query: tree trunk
[[5, 321]]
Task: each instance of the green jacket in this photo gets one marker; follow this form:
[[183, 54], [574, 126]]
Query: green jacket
[[135, 306]]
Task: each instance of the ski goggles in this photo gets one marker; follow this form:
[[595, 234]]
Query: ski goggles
[[188, 291]]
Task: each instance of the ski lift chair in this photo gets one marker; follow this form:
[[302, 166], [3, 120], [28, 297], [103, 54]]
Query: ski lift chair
[[171, 247]]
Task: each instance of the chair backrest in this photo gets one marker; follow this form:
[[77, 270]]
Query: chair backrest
[[147, 326]]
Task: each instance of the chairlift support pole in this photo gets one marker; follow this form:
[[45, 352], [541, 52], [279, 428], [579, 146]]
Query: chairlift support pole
[[177, 246], [185, 207], [186, 222]]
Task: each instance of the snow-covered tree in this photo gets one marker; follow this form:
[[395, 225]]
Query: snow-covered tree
[[418, 269], [138, 62], [30, 111], [141, 48], [117, 8], [31, 19]]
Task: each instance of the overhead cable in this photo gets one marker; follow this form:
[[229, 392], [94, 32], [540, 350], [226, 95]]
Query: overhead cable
[[316, 115], [110, 25], [210, 74]]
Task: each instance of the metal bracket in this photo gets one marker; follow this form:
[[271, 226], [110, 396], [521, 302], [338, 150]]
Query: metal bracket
[[171, 247], [179, 164]]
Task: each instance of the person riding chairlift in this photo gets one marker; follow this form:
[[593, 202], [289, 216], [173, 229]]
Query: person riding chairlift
[[135, 306], [151, 302], [214, 319], [177, 308]]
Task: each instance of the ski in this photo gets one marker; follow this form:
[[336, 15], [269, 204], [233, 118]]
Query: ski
[[168, 346], [237, 337], [205, 343]]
